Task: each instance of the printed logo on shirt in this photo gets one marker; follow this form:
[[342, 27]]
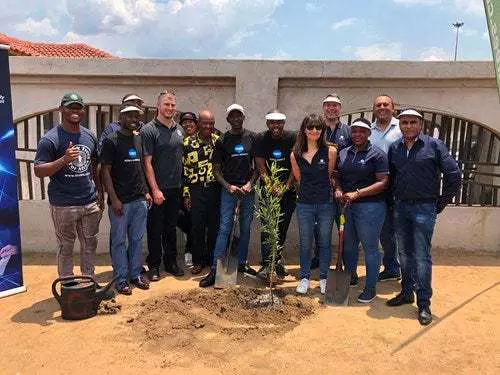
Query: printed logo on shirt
[[239, 148], [362, 162], [179, 133], [321, 164], [81, 164], [277, 155], [132, 154]]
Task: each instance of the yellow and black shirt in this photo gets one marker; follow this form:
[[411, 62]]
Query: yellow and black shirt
[[197, 163]]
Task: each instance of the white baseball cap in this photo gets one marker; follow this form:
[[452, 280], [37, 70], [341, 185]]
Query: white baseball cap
[[128, 97], [332, 98], [410, 112], [131, 108], [361, 124], [235, 107], [275, 116]]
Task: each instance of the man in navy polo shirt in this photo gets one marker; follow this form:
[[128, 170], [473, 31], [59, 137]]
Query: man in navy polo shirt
[[416, 163], [385, 131]]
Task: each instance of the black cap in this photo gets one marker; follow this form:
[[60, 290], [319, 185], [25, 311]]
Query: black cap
[[188, 116]]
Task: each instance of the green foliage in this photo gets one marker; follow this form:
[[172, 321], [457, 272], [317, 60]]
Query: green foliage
[[269, 193]]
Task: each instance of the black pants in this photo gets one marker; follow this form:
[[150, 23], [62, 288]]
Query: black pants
[[162, 222], [205, 212], [287, 207], [184, 224]]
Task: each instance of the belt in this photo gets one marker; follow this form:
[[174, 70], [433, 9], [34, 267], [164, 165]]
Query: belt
[[418, 200], [205, 184]]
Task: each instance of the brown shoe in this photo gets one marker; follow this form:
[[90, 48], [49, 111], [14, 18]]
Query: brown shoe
[[196, 269]]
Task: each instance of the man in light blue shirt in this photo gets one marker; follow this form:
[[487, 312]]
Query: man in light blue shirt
[[385, 131]]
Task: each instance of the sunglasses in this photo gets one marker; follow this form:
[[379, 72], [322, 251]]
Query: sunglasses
[[317, 127]]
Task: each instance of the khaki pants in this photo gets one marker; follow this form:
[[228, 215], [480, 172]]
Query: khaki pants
[[69, 222]]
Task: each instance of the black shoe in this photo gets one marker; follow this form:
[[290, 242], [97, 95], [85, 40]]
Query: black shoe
[[143, 270], [245, 268], [281, 271], [141, 283], [386, 276], [401, 299], [123, 288], [354, 279], [174, 269], [424, 316], [208, 280], [154, 274], [314, 263], [367, 296]]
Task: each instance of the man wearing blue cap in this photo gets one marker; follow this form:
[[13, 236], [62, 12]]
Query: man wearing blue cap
[[416, 163]]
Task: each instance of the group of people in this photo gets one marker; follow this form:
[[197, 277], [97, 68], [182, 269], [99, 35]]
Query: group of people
[[384, 176]]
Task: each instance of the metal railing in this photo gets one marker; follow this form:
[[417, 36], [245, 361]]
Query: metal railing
[[475, 146]]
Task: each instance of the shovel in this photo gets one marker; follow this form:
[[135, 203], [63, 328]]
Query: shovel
[[337, 283], [227, 267]]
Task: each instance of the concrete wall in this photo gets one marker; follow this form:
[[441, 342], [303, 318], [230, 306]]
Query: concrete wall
[[296, 87]]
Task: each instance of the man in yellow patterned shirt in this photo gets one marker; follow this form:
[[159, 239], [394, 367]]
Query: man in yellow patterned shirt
[[201, 191]]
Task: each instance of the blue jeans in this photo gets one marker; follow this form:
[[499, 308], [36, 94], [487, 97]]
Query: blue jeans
[[227, 206], [128, 227], [414, 228], [323, 216], [388, 241], [363, 223]]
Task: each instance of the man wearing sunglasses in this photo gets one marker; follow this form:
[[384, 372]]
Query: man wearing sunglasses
[[416, 163]]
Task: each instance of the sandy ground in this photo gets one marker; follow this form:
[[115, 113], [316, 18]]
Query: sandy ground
[[173, 329]]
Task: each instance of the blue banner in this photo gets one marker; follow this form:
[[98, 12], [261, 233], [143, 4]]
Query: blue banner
[[11, 272]]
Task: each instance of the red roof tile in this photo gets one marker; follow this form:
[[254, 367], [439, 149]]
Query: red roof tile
[[19, 47]]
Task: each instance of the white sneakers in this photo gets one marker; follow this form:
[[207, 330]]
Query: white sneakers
[[188, 260], [303, 286], [322, 286]]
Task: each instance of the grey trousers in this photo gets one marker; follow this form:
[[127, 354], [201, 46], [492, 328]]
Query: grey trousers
[[72, 221]]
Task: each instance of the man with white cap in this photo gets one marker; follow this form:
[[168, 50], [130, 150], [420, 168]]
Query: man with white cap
[[385, 131], [362, 180], [338, 134], [274, 146], [233, 165], [128, 199], [416, 163]]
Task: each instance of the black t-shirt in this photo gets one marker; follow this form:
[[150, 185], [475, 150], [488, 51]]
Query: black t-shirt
[[276, 150], [235, 153], [124, 154]]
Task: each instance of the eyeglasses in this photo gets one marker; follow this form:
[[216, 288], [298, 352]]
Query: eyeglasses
[[317, 127]]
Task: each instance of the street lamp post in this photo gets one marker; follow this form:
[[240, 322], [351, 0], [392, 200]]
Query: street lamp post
[[457, 25]]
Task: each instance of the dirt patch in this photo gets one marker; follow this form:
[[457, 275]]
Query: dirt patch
[[195, 320]]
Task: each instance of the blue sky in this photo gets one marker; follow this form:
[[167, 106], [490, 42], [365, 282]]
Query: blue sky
[[257, 29]]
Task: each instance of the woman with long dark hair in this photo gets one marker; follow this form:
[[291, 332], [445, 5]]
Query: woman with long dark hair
[[313, 163]]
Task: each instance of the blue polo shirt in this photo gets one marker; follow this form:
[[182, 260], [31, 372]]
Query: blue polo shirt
[[384, 138], [340, 135], [415, 173], [357, 170]]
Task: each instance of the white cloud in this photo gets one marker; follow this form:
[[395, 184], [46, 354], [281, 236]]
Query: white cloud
[[379, 51], [281, 55], [236, 39], [312, 7], [471, 6], [36, 28], [434, 54], [344, 23], [465, 31], [418, 2]]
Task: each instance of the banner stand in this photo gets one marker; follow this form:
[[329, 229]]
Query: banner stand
[[11, 270]]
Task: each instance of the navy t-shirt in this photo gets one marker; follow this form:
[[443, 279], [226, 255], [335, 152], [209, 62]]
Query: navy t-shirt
[[315, 187], [357, 170], [72, 185]]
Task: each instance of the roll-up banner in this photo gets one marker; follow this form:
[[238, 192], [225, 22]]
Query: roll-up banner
[[492, 9], [11, 268]]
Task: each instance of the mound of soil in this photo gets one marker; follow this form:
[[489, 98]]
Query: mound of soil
[[205, 320]]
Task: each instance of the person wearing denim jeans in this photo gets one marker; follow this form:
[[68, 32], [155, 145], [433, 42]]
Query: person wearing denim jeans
[[362, 179], [128, 198], [416, 163], [385, 131], [233, 168], [313, 163]]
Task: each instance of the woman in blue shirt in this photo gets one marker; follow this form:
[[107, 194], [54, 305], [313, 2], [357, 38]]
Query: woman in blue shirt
[[313, 163], [361, 181]]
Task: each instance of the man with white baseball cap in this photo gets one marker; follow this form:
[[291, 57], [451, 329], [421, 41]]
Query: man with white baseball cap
[[128, 198], [385, 131], [274, 146], [233, 167], [416, 163]]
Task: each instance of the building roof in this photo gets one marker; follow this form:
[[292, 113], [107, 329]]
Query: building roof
[[19, 47]]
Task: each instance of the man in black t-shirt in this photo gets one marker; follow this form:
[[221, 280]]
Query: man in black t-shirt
[[234, 169], [274, 146], [128, 199]]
